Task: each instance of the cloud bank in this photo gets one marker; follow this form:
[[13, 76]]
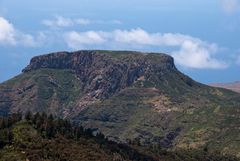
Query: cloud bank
[[188, 51], [9, 35], [60, 21], [7, 32]]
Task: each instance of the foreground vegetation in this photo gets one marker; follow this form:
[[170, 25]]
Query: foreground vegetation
[[41, 137]]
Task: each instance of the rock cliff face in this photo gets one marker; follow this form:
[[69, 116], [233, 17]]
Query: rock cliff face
[[98, 75], [102, 74], [127, 95]]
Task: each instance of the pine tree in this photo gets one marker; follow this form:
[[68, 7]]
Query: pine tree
[[50, 130], [36, 118], [3, 123], [28, 116]]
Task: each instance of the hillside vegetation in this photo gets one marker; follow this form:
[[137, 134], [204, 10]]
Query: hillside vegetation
[[42, 137]]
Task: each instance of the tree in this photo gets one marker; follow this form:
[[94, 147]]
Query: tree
[[3, 123], [14, 117], [29, 116], [36, 118], [50, 129]]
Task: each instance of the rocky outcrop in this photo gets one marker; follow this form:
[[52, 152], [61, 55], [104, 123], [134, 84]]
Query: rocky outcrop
[[104, 74]]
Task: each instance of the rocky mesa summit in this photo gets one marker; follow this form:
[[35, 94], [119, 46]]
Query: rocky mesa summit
[[128, 95], [104, 74]]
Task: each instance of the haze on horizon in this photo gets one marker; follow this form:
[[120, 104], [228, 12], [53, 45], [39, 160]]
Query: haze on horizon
[[202, 36]]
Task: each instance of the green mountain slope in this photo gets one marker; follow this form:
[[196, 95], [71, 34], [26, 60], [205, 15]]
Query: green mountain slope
[[128, 96]]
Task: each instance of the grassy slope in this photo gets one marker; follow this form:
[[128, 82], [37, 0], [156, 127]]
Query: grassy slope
[[51, 90], [208, 117]]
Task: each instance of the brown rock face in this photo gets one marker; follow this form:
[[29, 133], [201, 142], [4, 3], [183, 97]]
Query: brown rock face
[[104, 74], [93, 76]]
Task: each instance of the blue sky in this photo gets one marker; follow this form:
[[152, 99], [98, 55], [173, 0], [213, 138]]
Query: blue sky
[[202, 36]]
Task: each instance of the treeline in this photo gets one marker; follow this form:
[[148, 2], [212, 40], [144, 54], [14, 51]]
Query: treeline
[[52, 128], [6, 135], [49, 126], [6, 122]]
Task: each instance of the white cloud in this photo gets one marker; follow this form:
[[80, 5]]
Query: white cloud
[[60, 21], [31, 41], [191, 52], [195, 55], [7, 32], [82, 21], [135, 36], [11, 36], [188, 51], [76, 40], [230, 6]]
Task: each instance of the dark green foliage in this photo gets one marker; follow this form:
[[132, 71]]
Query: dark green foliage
[[29, 116], [6, 123], [43, 137]]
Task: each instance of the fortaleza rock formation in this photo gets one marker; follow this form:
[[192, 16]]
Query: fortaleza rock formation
[[128, 95], [101, 75]]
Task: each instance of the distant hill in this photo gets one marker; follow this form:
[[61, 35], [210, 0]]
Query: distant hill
[[234, 86], [128, 95]]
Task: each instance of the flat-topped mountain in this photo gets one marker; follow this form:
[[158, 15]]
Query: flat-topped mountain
[[128, 95], [102, 75]]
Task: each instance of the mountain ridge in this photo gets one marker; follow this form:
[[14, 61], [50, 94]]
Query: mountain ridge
[[127, 95], [234, 86]]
